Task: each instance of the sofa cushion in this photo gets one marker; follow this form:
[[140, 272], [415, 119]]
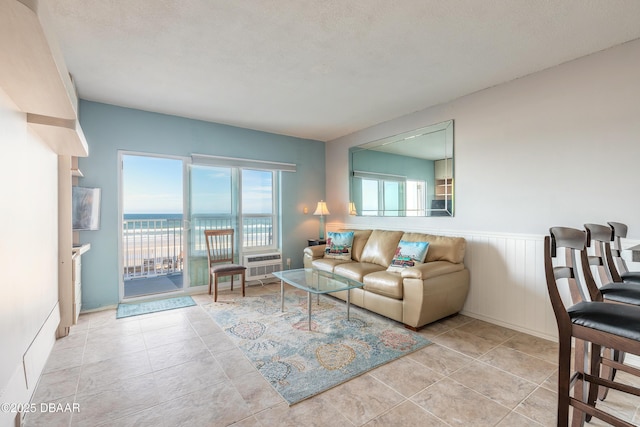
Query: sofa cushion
[[360, 238], [385, 283], [356, 270], [339, 245], [328, 264], [441, 248], [380, 247], [408, 254]]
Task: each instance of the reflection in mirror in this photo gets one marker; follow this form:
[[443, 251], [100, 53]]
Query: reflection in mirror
[[410, 174]]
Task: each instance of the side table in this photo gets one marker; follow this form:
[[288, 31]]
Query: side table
[[316, 242]]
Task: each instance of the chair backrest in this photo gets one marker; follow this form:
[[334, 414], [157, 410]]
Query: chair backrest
[[619, 231], [219, 245], [570, 271], [599, 239]]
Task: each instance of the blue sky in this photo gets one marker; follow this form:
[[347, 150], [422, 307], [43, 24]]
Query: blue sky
[[154, 185]]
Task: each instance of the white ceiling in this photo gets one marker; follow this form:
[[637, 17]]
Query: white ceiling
[[320, 69]]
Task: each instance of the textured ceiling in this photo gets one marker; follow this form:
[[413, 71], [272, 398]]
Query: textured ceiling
[[320, 69]]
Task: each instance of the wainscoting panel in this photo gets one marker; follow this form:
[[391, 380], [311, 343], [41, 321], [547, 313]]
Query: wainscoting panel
[[508, 286]]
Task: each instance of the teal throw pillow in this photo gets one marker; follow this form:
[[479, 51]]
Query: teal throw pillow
[[339, 245], [408, 254]]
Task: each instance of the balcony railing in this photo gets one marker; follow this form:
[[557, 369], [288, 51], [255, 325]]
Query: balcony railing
[[153, 247]]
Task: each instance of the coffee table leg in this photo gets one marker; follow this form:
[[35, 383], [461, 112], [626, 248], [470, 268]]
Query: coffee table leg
[[309, 305], [348, 302], [281, 295]]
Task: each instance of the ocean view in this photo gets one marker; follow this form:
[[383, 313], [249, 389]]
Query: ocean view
[[153, 243], [152, 216]]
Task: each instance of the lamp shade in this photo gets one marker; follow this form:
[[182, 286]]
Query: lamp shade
[[321, 209]]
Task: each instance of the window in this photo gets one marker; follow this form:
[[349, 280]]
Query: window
[[370, 197], [242, 198], [390, 195], [383, 196], [224, 197], [241, 194], [416, 198], [258, 208]]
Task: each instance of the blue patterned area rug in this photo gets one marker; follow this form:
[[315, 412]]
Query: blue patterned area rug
[[300, 363], [128, 310]]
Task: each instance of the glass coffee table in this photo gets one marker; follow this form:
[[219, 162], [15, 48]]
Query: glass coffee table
[[315, 282]]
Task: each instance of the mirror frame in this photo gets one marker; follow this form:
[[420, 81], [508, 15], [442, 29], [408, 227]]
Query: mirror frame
[[404, 144]]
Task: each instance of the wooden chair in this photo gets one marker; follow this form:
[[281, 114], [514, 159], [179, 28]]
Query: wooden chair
[[220, 258], [588, 321], [619, 268]]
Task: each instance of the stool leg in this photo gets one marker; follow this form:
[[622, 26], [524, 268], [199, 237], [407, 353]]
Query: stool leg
[[607, 372], [580, 365], [595, 367], [564, 379]]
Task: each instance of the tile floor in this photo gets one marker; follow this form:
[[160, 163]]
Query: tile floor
[[178, 368]]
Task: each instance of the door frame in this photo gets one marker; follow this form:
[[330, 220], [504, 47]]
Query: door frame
[[186, 289]]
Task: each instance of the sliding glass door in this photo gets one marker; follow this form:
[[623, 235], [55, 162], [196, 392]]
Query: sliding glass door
[[168, 202], [152, 237]]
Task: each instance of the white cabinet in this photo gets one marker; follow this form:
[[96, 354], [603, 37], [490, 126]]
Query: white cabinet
[[443, 169]]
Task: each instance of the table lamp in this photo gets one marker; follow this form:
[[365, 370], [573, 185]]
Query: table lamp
[[321, 210]]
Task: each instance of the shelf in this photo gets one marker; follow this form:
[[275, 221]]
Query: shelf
[[35, 77], [80, 249], [63, 136]]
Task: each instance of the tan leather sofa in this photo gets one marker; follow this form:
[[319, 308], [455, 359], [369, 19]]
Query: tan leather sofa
[[416, 296]]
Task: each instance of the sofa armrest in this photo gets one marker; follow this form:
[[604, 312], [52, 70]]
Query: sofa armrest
[[429, 270], [310, 253], [316, 251], [428, 300]]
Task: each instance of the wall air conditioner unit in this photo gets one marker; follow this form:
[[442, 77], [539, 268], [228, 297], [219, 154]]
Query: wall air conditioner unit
[[260, 266]]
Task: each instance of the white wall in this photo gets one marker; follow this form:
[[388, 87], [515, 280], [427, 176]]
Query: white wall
[[558, 147], [28, 254]]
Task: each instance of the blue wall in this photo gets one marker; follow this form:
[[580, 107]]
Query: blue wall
[[109, 128]]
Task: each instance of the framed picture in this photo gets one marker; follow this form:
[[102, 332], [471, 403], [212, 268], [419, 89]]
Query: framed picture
[[85, 208]]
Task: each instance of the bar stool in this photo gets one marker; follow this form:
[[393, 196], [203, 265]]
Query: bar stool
[[588, 321], [619, 268], [599, 238]]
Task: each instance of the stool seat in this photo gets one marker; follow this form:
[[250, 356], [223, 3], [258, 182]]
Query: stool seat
[[626, 293], [609, 318], [631, 277]]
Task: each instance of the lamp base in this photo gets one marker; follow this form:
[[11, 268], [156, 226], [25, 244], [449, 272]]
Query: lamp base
[[321, 232]]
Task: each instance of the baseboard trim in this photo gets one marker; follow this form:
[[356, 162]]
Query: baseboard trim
[[518, 328]]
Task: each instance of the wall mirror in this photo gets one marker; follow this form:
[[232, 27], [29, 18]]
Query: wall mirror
[[410, 174]]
